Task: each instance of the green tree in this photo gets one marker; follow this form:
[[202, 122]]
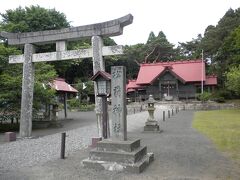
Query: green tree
[[81, 68], [33, 18], [11, 81], [151, 37], [84, 88], [43, 94], [156, 48], [233, 79], [217, 44], [191, 49], [230, 50], [131, 59], [214, 36], [159, 48], [228, 55], [36, 18]]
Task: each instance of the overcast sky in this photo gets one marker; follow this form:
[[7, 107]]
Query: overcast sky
[[180, 20]]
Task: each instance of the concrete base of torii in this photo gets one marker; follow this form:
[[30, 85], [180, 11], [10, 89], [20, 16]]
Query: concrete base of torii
[[112, 155]]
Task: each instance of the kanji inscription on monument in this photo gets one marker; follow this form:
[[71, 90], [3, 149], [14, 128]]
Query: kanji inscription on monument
[[118, 92]]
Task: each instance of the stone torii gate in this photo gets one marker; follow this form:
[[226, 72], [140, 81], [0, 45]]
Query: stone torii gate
[[60, 37]]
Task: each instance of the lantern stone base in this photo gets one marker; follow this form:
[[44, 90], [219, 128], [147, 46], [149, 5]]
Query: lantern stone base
[[95, 140], [151, 126], [111, 155]]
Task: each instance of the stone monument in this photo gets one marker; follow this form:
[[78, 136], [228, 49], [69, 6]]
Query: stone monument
[[118, 94], [60, 37], [119, 152]]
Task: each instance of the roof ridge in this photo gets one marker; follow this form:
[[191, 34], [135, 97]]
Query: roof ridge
[[172, 62]]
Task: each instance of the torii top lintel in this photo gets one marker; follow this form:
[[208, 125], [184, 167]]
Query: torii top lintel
[[104, 29]]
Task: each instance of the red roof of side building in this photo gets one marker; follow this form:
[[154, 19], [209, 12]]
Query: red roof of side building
[[131, 86], [59, 84], [187, 71], [211, 80]]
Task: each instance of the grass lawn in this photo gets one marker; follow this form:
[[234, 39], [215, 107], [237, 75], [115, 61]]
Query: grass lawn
[[223, 128]]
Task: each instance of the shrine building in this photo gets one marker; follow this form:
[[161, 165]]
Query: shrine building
[[173, 80]]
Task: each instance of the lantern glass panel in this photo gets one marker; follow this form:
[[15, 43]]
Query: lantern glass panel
[[150, 105], [102, 87], [108, 87]]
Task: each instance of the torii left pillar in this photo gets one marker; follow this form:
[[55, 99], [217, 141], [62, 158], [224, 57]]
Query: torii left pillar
[[27, 92]]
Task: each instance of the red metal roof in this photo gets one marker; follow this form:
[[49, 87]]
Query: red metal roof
[[59, 84], [188, 70], [211, 80], [131, 86], [130, 90]]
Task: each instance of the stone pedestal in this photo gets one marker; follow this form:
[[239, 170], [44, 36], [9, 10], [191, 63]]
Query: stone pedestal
[[111, 155], [151, 126]]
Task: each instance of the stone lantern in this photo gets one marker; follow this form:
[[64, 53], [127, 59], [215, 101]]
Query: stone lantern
[[54, 116], [103, 81], [151, 125]]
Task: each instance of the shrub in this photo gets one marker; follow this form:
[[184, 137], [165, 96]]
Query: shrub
[[219, 99], [226, 94], [87, 107], [74, 103], [205, 96], [9, 127], [220, 96]]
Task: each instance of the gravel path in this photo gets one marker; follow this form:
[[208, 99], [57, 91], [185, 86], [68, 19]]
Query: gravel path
[[30, 152], [180, 153]]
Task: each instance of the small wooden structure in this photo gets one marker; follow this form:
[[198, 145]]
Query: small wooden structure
[[63, 89]]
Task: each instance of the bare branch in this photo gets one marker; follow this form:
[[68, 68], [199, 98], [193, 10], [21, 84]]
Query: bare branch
[[158, 56], [145, 60], [137, 62]]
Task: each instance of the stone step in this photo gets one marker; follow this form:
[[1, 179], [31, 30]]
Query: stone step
[[118, 156], [151, 128], [140, 165], [114, 166], [109, 145]]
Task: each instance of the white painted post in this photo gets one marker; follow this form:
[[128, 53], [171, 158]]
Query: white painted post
[[202, 74]]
